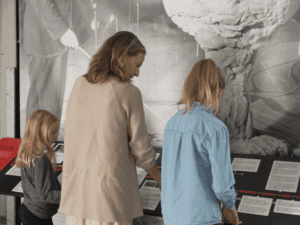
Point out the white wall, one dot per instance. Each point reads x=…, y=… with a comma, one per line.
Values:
x=7, y=65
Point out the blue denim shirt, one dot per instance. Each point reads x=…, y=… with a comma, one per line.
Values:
x=196, y=169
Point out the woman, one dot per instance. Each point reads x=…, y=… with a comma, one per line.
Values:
x=106, y=138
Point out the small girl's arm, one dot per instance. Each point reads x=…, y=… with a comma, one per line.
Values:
x=43, y=181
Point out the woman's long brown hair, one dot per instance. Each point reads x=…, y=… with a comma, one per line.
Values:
x=108, y=62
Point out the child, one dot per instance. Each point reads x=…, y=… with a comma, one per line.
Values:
x=40, y=185
x=196, y=167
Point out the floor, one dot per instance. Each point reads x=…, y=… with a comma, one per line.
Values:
x=145, y=220
x=148, y=220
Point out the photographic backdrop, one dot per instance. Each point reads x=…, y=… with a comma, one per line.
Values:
x=255, y=45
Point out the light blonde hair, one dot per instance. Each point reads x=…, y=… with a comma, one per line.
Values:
x=205, y=84
x=39, y=132
x=109, y=61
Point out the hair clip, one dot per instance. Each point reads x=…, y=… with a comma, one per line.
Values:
x=30, y=147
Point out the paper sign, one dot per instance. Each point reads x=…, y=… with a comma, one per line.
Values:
x=255, y=205
x=59, y=219
x=59, y=157
x=284, y=176
x=60, y=178
x=14, y=171
x=18, y=188
x=150, y=194
x=287, y=207
x=247, y=165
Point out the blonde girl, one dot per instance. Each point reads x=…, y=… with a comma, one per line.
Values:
x=196, y=168
x=36, y=159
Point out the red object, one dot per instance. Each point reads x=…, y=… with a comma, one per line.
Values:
x=250, y=192
x=9, y=148
x=288, y=196
x=264, y=193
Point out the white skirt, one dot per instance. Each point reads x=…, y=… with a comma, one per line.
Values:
x=71, y=220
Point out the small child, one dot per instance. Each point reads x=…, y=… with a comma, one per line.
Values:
x=40, y=185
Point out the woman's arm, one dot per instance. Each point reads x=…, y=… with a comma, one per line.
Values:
x=139, y=140
x=155, y=174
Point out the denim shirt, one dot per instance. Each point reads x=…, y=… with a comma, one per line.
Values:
x=196, y=172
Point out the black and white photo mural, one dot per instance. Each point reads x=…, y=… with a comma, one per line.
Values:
x=255, y=43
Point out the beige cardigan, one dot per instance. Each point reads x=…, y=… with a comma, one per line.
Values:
x=105, y=139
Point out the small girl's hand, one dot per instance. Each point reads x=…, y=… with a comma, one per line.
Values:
x=60, y=166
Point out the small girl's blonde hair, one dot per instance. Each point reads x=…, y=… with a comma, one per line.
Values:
x=205, y=84
x=37, y=137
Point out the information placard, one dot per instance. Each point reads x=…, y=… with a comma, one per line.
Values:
x=255, y=205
